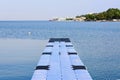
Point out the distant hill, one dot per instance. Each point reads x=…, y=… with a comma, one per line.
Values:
x=110, y=14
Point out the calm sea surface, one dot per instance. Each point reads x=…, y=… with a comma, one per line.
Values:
x=21, y=43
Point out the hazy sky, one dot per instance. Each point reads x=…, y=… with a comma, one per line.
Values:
x=48, y=9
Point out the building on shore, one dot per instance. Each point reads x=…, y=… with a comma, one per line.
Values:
x=58, y=19
x=116, y=20
x=80, y=19
x=69, y=19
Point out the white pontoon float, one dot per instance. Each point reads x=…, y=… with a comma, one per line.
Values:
x=60, y=61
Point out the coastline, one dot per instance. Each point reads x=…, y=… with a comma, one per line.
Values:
x=83, y=21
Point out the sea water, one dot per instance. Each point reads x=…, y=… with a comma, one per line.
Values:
x=21, y=44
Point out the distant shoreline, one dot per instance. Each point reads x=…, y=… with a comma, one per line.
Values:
x=111, y=15
x=83, y=21
x=61, y=20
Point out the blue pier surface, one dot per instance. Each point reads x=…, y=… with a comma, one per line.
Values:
x=59, y=61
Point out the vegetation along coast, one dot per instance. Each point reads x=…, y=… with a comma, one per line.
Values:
x=112, y=14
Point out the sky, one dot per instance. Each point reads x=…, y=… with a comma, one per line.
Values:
x=48, y=9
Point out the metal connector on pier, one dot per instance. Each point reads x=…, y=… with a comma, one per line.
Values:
x=60, y=61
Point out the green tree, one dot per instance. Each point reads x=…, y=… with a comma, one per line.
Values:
x=113, y=13
x=101, y=16
x=90, y=17
x=69, y=19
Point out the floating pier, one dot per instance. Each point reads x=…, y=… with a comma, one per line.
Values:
x=60, y=61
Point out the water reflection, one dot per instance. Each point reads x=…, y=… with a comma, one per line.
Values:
x=19, y=57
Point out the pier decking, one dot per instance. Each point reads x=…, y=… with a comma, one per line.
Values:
x=59, y=61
